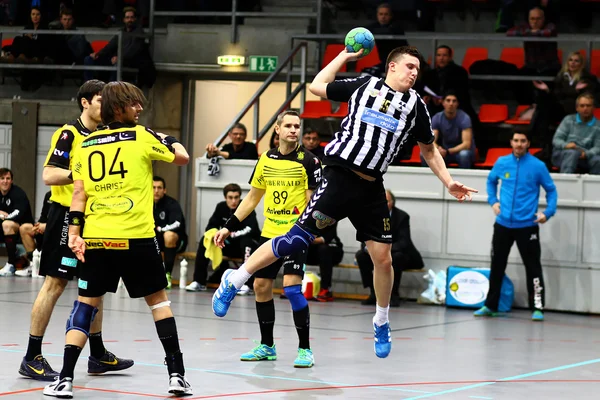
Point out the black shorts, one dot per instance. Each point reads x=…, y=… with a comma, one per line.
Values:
x=137, y=261
x=181, y=242
x=342, y=194
x=294, y=264
x=57, y=259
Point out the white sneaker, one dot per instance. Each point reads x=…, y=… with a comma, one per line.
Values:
x=195, y=287
x=61, y=388
x=245, y=291
x=178, y=385
x=8, y=270
x=26, y=272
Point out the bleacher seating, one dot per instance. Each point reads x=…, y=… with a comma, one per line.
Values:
x=369, y=60
x=514, y=120
x=492, y=155
x=98, y=45
x=493, y=113
x=316, y=109
x=331, y=52
x=415, y=156
x=513, y=55
x=474, y=54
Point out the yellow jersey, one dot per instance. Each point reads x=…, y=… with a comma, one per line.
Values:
x=63, y=147
x=115, y=165
x=285, y=178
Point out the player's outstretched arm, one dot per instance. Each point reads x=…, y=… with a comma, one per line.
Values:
x=54, y=176
x=435, y=161
x=318, y=87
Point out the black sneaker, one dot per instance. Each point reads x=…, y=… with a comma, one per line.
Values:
x=107, y=363
x=37, y=369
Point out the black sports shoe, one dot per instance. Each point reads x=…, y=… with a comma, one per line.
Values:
x=37, y=369
x=107, y=363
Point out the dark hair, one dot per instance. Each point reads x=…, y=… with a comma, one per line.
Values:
x=239, y=125
x=400, y=51
x=129, y=9
x=117, y=96
x=4, y=171
x=450, y=93
x=156, y=178
x=521, y=131
x=88, y=90
x=272, y=141
x=66, y=11
x=310, y=130
x=232, y=187
x=35, y=8
x=443, y=46
x=385, y=5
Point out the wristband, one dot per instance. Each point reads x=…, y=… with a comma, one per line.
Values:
x=232, y=223
x=170, y=140
x=70, y=175
x=76, y=218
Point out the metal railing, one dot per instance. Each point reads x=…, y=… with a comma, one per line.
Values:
x=447, y=38
x=91, y=32
x=317, y=14
x=254, y=101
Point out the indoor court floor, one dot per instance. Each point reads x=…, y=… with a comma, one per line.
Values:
x=438, y=353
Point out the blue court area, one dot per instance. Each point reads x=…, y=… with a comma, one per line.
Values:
x=438, y=353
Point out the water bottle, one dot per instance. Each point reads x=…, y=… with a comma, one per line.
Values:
x=183, y=273
x=35, y=263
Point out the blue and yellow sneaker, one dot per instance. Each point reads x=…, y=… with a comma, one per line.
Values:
x=107, y=363
x=262, y=352
x=537, y=316
x=224, y=295
x=38, y=369
x=383, y=340
x=305, y=359
x=485, y=312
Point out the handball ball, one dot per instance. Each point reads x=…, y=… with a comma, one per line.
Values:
x=359, y=38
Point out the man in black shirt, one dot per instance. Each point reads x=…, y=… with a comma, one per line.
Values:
x=14, y=211
x=238, y=149
x=169, y=225
x=32, y=235
x=386, y=25
x=312, y=142
x=383, y=115
x=240, y=244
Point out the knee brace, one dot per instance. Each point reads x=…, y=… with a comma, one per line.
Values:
x=295, y=296
x=81, y=317
x=297, y=239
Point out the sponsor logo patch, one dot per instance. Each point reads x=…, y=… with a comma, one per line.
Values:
x=82, y=284
x=69, y=262
x=112, y=244
x=323, y=221
x=380, y=119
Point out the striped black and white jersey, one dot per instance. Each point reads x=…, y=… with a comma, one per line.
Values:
x=379, y=122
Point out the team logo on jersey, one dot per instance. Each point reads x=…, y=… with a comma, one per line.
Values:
x=161, y=215
x=8, y=202
x=506, y=175
x=126, y=135
x=112, y=205
x=296, y=211
x=64, y=136
x=112, y=244
x=301, y=155
x=323, y=221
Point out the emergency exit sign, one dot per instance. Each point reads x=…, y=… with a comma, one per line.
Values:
x=262, y=63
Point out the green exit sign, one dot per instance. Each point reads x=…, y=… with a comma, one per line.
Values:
x=262, y=63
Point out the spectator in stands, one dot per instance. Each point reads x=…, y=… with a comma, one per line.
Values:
x=28, y=48
x=169, y=225
x=32, y=235
x=135, y=52
x=518, y=219
x=274, y=142
x=453, y=134
x=238, y=149
x=240, y=243
x=312, y=142
x=508, y=8
x=326, y=251
x=446, y=76
x=69, y=49
x=404, y=253
x=15, y=211
x=576, y=142
x=386, y=25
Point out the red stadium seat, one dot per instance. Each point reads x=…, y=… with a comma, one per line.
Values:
x=331, y=52
x=493, y=113
x=7, y=42
x=316, y=109
x=415, y=156
x=492, y=156
x=342, y=112
x=514, y=120
x=594, y=63
x=369, y=60
x=597, y=113
x=474, y=54
x=98, y=45
x=513, y=55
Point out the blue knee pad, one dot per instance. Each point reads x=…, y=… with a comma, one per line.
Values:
x=295, y=296
x=81, y=317
x=296, y=240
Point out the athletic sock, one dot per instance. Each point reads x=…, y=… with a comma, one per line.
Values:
x=266, y=320
x=34, y=347
x=11, y=248
x=381, y=315
x=167, y=333
x=72, y=353
x=97, y=349
x=170, y=254
x=302, y=322
x=239, y=277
